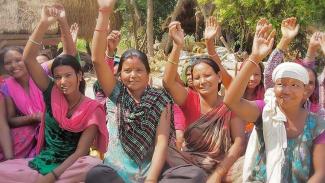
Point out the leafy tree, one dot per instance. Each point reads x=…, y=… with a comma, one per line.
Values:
x=238, y=18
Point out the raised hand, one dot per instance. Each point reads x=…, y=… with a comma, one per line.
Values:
x=113, y=39
x=322, y=42
x=263, y=42
x=61, y=15
x=289, y=28
x=315, y=41
x=106, y=4
x=74, y=29
x=212, y=28
x=49, y=15
x=176, y=33
x=261, y=23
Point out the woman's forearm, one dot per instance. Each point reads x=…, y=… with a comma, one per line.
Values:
x=225, y=76
x=158, y=162
x=19, y=121
x=274, y=60
x=69, y=46
x=235, y=151
x=104, y=74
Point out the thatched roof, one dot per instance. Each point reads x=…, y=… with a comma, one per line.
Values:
x=21, y=16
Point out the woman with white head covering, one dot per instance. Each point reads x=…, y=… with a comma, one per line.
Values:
x=281, y=147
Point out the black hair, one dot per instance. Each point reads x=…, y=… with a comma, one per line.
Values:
x=134, y=53
x=5, y=50
x=202, y=59
x=71, y=61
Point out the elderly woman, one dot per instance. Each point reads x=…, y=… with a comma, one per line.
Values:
x=281, y=148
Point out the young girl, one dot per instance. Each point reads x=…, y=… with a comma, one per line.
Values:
x=73, y=122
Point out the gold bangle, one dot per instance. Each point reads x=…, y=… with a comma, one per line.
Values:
x=172, y=62
x=216, y=54
x=256, y=64
x=34, y=42
x=106, y=54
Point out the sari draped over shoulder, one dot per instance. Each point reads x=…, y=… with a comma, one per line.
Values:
x=27, y=103
x=207, y=140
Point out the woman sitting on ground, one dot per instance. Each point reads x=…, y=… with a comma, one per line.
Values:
x=214, y=136
x=139, y=117
x=283, y=149
x=73, y=122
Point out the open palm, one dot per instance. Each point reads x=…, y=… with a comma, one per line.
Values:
x=263, y=42
x=212, y=28
x=176, y=33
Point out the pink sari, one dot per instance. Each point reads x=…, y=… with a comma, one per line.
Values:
x=81, y=119
x=24, y=138
x=89, y=112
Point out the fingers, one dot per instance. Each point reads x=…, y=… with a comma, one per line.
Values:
x=172, y=24
x=175, y=27
x=114, y=35
x=262, y=21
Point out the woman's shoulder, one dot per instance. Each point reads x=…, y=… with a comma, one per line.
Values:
x=316, y=123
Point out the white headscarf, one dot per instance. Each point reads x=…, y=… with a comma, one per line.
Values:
x=274, y=131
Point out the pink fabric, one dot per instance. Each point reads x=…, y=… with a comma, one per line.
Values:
x=27, y=103
x=24, y=138
x=179, y=118
x=314, y=108
x=260, y=104
x=18, y=171
x=89, y=112
x=191, y=108
x=320, y=139
x=110, y=62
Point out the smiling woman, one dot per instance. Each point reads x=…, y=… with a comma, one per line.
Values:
x=24, y=103
x=68, y=114
x=213, y=136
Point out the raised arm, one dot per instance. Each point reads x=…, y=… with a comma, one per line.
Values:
x=69, y=46
x=313, y=46
x=322, y=76
x=161, y=146
x=48, y=17
x=177, y=90
x=104, y=73
x=74, y=30
x=289, y=29
x=212, y=29
x=67, y=35
x=262, y=45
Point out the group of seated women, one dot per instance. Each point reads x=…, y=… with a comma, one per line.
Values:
x=268, y=127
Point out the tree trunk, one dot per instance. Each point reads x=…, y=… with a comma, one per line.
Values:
x=135, y=21
x=175, y=13
x=150, y=28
